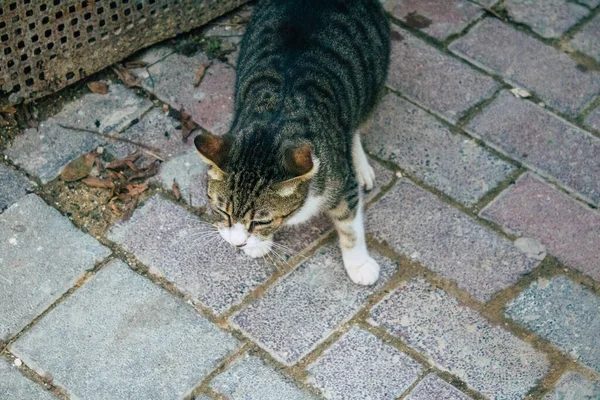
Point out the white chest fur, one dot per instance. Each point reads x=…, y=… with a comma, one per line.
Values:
x=311, y=207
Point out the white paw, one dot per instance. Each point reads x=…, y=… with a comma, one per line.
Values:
x=257, y=250
x=365, y=175
x=363, y=273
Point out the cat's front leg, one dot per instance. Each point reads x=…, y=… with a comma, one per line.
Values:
x=348, y=219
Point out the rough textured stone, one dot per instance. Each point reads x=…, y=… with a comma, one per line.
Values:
x=586, y=40
x=249, y=378
x=425, y=148
x=569, y=230
x=564, y=313
x=14, y=186
x=306, y=305
x=590, y=3
x=41, y=256
x=438, y=19
x=548, y=18
x=433, y=79
x=434, y=388
x=593, y=120
x=152, y=55
x=340, y=373
x=46, y=150
x=459, y=340
x=210, y=104
x=416, y=223
x=190, y=173
x=543, y=142
x=15, y=386
x=122, y=337
x=190, y=253
x=573, y=386
x=528, y=63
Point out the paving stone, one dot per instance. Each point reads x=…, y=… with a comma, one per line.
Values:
x=14, y=186
x=488, y=3
x=416, y=223
x=434, y=80
x=573, y=386
x=340, y=373
x=249, y=378
x=190, y=173
x=120, y=336
x=543, y=142
x=586, y=40
x=593, y=119
x=13, y=385
x=210, y=104
x=306, y=305
x=434, y=388
x=528, y=63
x=425, y=148
x=152, y=55
x=590, y=3
x=569, y=230
x=547, y=18
x=564, y=313
x=42, y=255
x=46, y=150
x=457, y=339
x=190, y=253
x=437, y=19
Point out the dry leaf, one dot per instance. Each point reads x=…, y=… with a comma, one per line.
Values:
x=176, y=190
x=114, y=207
x=136, y=188
x=146, y=172
x=200, y=73
x=31, y=120
x=187, y=125
x=135, y=64
x=130, y=207
x=98, y=87
x=2, y=81
x=129, y=80
x=99, y=183
x=78, y=168
x=6, y=109
x=126, y=162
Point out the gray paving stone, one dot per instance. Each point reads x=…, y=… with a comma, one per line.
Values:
x=122, y=337
x=459, y=340
x=586, y=40
x=210, y=104
x=250, y=378
x=573, y=386
x=488, y=3
x=152, y=55
x=42, y=255
x=590, y=3
x=543, y=142
x=362, y=366
x=14, y=186
x=425, y=148
x=434, y=80
x=528, y=63
x=416, y=223
x=46, y=150
x=434, y=388
x=15, y=386
x=548, y=18
x=593, y=119
x=306, y=306
x=190, y=173
x=438, y=19
x=569, y=230
x=564, y=313
x=190, y=253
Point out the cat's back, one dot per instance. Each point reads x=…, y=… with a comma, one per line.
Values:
x=336, y=50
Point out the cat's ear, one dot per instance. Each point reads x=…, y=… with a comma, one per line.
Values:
x=300, y=162
x=214, y=151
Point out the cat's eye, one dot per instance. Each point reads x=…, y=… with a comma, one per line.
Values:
x=254, y=224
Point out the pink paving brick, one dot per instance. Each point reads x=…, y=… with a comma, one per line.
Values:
x=593, y=120
x=526, y=62
x=435, y=80
x=210, y=104
x=569, y=230
x=542, y=141
x=587, y=39
x=548, y=18
x=438, y=19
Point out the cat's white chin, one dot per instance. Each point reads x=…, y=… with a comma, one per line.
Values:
x=257, y=250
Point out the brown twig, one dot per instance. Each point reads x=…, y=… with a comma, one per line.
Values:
x=104, y=135
x=494, y=13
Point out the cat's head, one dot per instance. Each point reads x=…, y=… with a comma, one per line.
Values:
x=251, y=191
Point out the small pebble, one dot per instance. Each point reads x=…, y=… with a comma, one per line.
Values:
x=165, y=108
x=399, y=174
x=100, y=150
x=18, y=362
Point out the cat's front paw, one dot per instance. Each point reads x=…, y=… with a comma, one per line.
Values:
x=257, y=250
x=365, y=272
x=365, y=175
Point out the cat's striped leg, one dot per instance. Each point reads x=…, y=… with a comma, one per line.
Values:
x=365, y=175
x=348, y=219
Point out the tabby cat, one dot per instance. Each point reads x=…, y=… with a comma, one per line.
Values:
x=309, y=73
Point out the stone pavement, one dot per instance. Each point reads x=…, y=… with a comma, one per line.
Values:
x=485, y=221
